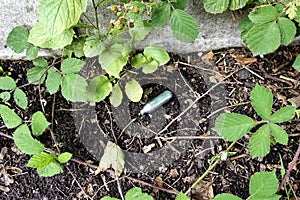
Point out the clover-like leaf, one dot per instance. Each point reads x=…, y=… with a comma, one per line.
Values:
x=279, y=134
x=284, y=114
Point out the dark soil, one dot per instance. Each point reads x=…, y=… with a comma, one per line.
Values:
x=171, y=164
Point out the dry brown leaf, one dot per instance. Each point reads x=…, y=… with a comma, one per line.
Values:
x=282, y=98
x=208, y=57
x=174, y=173
x=203, y=190
x=245, y=61
x=159, y=180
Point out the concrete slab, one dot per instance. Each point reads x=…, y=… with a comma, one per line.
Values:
x=216, y=31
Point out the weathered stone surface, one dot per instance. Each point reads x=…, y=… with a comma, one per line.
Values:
x=216, y=31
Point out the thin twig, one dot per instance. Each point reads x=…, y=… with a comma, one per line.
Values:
x=6, y=136
x=96, y=13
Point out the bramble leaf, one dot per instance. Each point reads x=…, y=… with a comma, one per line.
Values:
x=287, y=30
x=9, y=117
x=161, y=15
x=259, y=144
x=182, y=196
x=233, y=126
x=20, y=98
x=50, y=170
x=40, y=62
x=237, y=4
x=215, y=6
x=133, y=90
x=180, y=4
x=296, y=63
x=279, y=134
x=99, y=88
x=93, y=47
x=116, y=96
x=53, y=81
x=7, y=83
x=109, y=198
x=17, y=39
x=64, y=157
x=71, y=65
x=261, y=100
x=39, y=123
x=227, y=197
x=32, y=52
x=36, y=75
x=73, y=88
x=284, y=114
x=136, y=193
x=39, y=160
x=184, y=27
x=25, y=142
x=264, y=14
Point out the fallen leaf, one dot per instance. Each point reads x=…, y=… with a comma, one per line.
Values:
x=282, y=98
x=208, y=57
x=159, y=180
x=174, y=173
x=203, y=190
x=245, y=61
x=113, y=157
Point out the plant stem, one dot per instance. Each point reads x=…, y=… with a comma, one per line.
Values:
x=89, y=20
x=208, y=170
x=96, y=14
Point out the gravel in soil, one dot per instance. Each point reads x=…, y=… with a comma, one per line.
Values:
x=233, y=175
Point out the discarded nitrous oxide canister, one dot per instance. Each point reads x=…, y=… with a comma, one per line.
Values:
x=156, y=102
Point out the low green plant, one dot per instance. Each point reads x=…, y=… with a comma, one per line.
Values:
x=133, y=194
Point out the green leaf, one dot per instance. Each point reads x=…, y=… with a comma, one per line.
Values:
x=245, y=26
x=25, y=142
x=75, y=47
x=284, y=114
x=182, y=196
x=233, y=126
x=259, y=144
x=17, y=39
x=180, y=4
x=5, y=96
x=99, y=88
x=273, y=197
x=133, y=90
x=50, y=170
x=296, y=63
x=36, y=75
x=161, y=15
x=137, y=194
x=32, y=52
x=184, y=27
x=237, y=4
x=53, y=81
x=279, y=134
x=40, y=160
x=138, y=60
x=150, y=67
x=40, y=62
x=93, y=47
x=113, y=156
x=157, y=53
x=39, y=123
x=264, y=14
x=227, y=197
x=287, y=30
x=7, y=83
x=263, y=38
x=116, y=96
x=71, y=65
x=114, y=59
x=20, y=98
x=215, y=6
x=64, y=157
x=9, y=117
x=140, y=30
x=74, y=88
x=261, y=100
x=109, y=198
x=263, y=184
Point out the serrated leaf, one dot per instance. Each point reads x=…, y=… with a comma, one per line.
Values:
x=5, y=96
x=150, y=67
x=287, y=30
x=237, y=4
x=180, y=4
x=113, y=156
x=20, y=98
x=109, y=198
x=284, y=114
x=113, y=59
x=273, y=197
x=9, y=117
x=36, y=75
x=53, y=81
x=296, y=63
x=39, y=123
x=93, y=47
x=215, y=6
x=73, y=88
x=64, y=157
x=279, y=134
x=259, y=144
x=137, y=194
x=264, y=14
x=184, y=27
x=40, y=62
x=263, y=184
x=261, y=100
x=25, y=142
x=7, y=83
x=233, y=126
x=40, y=160
x=50, y=170
x=182, y=196
x=116, y=96
x=245, y=25
x=32, y=52
x=99, y=88
x=133, y=90
x=161, y=15
x=157, y=53
x=17, y=39
x=263, y=38
x=226, y=196
x=71, y=65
